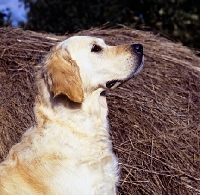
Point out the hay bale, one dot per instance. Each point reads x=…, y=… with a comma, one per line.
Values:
x=154, y=118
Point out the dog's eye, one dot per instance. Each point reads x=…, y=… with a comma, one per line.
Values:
x=96, y=48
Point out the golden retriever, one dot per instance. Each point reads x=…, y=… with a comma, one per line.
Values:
x=68, y=150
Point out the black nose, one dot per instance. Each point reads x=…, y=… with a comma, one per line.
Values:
x=137, y=48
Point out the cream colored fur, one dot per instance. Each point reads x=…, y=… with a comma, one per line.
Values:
x=68, y=150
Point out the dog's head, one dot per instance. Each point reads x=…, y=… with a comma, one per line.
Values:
x=82, y=64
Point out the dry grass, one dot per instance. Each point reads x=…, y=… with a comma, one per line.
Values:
x=154, y=118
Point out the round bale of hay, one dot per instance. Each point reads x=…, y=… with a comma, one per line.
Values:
x=154, y=117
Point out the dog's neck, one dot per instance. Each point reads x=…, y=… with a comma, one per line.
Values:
x=61, y=109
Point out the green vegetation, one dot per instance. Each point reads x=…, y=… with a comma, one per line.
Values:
x=178, y=19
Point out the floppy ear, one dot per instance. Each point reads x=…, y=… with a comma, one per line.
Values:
x=63, y=75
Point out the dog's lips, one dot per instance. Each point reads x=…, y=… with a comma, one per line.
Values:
x=139, y=66
x=111, y=84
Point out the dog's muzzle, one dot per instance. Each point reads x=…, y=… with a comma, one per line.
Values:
x=138, y=49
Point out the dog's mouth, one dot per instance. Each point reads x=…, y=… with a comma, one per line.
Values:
x=139, y=66
x=112, y=84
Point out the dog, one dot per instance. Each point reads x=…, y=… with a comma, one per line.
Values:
x=68, y=150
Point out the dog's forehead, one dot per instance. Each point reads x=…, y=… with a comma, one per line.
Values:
x=83, y=40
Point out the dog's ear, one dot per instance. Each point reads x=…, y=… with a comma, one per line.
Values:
x=63, y=75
